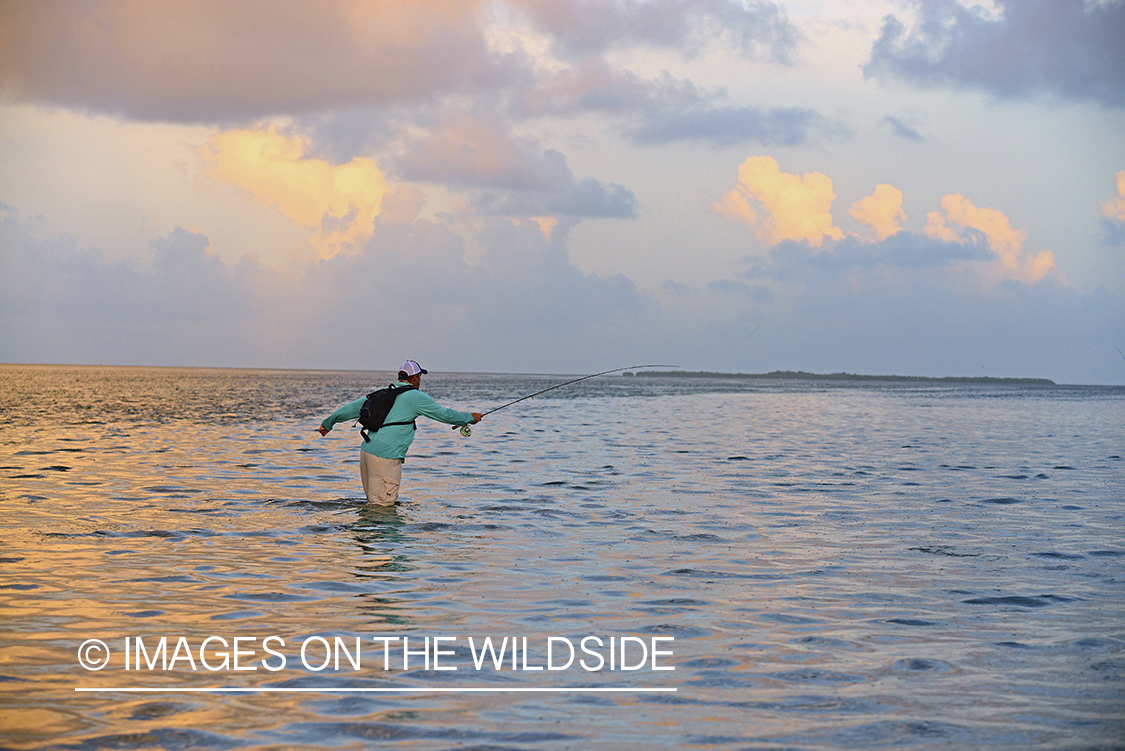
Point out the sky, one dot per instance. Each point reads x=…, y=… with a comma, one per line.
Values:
x=911, y=187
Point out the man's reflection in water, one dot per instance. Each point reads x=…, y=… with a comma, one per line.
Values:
x=381, y=534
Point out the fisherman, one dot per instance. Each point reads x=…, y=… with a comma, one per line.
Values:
x=383, y=451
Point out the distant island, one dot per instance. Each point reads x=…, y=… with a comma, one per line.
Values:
x=800, y=375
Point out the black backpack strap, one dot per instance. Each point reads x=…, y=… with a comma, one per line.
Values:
x=363, y=431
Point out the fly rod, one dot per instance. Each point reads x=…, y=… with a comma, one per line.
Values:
x=467, y=431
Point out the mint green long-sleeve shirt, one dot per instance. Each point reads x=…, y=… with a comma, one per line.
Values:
x=393, y=441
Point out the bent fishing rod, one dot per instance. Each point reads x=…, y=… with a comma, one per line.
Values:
x=467, y=431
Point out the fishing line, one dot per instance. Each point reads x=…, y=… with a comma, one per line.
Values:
x=467, y=431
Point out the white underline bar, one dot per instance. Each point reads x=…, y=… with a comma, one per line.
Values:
x=444, y=689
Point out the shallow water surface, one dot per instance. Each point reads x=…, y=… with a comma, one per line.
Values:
x=824, y=565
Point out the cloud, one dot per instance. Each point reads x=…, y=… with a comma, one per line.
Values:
x=667, y=109
x=583, y=27
x=881, y=211
x=1069, y=48
x=212, y=61
x=794, y=216
x=856, y=309
x=1114, y=209
x=959, y=219
x=480, y=152
x=185, y=306
x=1113, y=215
x=506, y=174
x=61, y=303
x=903, y=130
x=795, y=208
x=340, y=201
x=728, y=126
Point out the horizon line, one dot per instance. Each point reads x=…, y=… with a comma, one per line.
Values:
x=546, y=373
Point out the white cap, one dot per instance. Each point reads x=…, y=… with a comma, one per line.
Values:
x=412, y=368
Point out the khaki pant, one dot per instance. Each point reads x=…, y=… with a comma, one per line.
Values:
x=380, y=478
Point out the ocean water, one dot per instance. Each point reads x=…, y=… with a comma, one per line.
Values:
x=736, y=564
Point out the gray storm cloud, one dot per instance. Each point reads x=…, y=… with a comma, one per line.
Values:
x=1069, y=48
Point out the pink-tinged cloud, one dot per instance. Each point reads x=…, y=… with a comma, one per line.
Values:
x=881, y=211
x=793, y=207
x=340, y=202
x=958, y=219
x=482, y=152
x=217, y=61
x=1114, y=209
x=212, y=60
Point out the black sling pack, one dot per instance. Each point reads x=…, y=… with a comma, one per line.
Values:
x=376, y=407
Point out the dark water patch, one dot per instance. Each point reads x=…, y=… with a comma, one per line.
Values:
x=237, y=615
x=173, y=739
x=905, y=733
x=946, y=550
x=1061, y=556
x=818, y=677
x=11, y=559
x=432, y=526
x=910, y=622
x=1096, y=644
x=683, y=602
x=815, y=704
x=170, y=489
x=156, y=709
x=693, y=573
x=724, y=741
x=50, y=451
x=920, y=664
x=55, y=468
x=823, y=641
x=1062, y=466
x=267, y=597
x=326, y=732
x=790, y=620
x=144, y=614
x=673, y=629
x=1020, y=601
x=1013, y=477
x=1072, y=507
x=700, y=537
x=707, y=663
x=738, y=458
x=19, y=587
x=1013, y=645
x=1007, y=500
x=1107, y=553
x=166, y=579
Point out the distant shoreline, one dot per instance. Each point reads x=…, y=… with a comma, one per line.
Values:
x=800, y=375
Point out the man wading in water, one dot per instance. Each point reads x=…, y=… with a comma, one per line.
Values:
x=384, y=449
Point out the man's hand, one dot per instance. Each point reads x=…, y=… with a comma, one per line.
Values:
x=323, y=430
x=476, y=417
